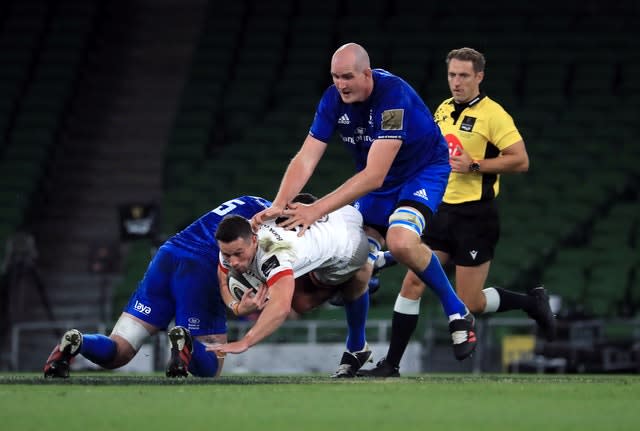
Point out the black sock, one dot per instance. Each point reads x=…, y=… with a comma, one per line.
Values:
x=402, y=327
x=513, y=301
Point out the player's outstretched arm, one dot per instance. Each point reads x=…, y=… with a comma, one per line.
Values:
x=379, y=160
x=275, y=312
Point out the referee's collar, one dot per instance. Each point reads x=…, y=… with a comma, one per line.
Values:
x=475, y=100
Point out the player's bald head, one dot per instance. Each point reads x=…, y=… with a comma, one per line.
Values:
x=351, y=54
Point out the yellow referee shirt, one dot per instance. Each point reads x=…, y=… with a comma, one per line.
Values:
x=483, y=128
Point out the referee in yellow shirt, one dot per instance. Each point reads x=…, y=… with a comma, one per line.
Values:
x=483, y=143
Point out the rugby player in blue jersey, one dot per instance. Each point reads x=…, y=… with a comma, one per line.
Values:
x=402, y=164
x=181, y=282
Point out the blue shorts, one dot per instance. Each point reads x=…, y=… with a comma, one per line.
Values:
x=181, y=285
x=426, y=189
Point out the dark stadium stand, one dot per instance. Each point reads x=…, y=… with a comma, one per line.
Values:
x=568, y=74
x=559, y=73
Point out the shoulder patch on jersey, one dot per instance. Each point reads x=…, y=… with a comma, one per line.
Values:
x=392, y=119
x=269, y=264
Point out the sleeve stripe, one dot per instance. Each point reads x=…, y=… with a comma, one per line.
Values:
x=222, y=268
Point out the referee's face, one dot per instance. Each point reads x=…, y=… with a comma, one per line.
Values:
x=464, y=82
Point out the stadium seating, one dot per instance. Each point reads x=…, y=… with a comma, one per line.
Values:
x=41, y=46
x=560, y=73
x=567, y=74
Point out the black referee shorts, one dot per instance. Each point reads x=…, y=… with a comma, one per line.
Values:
x=468, y=232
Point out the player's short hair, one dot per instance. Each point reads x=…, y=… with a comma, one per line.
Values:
x=304, y=198
x=233, y=227
x=468, y=54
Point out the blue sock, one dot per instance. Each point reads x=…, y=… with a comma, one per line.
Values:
x=356, y=321
x=434, y=276
x=98, y=348
x=203, y=363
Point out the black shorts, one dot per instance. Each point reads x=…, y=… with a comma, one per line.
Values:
x=468, y=232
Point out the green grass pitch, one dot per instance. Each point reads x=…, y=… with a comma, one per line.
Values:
x=109, y=401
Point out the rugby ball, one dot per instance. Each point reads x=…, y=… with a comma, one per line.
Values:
x=238, y=284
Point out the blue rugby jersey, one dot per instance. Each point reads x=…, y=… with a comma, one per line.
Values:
x=199, y=236
x=393, y=111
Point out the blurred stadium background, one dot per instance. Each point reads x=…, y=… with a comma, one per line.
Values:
x=122, y=121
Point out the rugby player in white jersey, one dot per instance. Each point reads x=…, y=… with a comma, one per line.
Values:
x=332, y=254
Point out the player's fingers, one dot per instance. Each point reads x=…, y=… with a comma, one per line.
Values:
x=255, y=224
x=288, y=223
x=303, y=229
x=246, y=296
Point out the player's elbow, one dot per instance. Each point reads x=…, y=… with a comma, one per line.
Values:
x=523, y=166
x=379, y=181
x=374, y=180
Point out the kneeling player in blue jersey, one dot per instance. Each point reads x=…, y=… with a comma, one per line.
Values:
x=181, y=282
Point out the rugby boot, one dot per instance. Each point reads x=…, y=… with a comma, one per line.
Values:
x=57, y=365
x=351, y=362
x=181, y=349
x=463, y=336
x=541, y=312
x=382, y=369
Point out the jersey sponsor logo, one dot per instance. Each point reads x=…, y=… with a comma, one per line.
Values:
x=344, y=119
x=193, y=323
x=455, y=146
x=356, y=139
x=422, y=193
x=473, y=254
x=270, y=264
x=140, y=307
x=467, y=123
x=392, y=119
x=273, y=232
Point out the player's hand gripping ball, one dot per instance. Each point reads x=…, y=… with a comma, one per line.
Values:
x=238, y=285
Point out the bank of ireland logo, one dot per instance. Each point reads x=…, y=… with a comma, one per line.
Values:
x=193, y=323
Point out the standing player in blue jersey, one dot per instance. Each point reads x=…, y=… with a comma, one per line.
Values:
x=181, y=282
x=402, y=163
